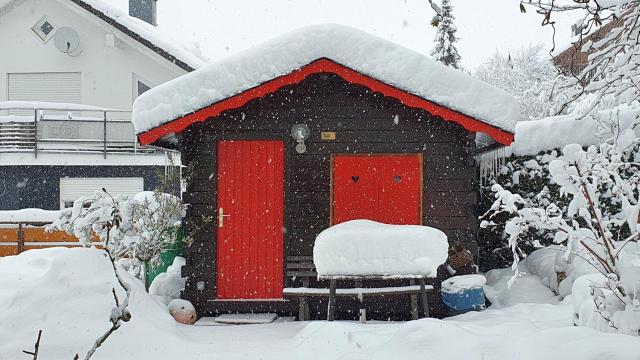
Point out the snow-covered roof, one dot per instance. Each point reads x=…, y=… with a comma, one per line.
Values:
x=532, y=137
x=146, y=34
x=593, y=33
x=369, y=55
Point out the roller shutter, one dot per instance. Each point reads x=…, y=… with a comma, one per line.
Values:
x=63, y=87
x=73, y=188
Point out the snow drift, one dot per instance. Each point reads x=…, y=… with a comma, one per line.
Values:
x=67, y=293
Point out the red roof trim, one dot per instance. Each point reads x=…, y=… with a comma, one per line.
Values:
x=325, y=66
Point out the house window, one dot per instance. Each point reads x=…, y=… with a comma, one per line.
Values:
x=43, y=29
x=140, y=86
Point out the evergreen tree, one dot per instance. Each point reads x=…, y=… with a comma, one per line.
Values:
x=445, y=50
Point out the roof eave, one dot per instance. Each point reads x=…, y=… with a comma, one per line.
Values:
x=325, y=65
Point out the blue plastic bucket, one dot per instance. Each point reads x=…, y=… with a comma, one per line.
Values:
x=465, y=300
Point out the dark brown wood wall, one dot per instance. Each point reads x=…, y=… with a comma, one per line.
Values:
x=364, y=123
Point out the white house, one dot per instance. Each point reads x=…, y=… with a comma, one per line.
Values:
x=66, y=90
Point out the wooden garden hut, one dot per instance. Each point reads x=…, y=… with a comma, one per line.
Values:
x=320, y=126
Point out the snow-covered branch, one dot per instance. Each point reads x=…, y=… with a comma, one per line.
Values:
x=146, y=224
x=528, y=76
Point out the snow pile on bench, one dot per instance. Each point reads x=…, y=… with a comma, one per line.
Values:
x=368, y=248
x=380, y=59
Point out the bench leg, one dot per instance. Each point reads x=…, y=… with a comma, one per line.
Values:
x=414, y=303
x=307, y=315
x=423, y=292
x=332, y=300
x=302, y=308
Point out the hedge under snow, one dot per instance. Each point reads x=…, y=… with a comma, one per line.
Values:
x=368, y=54
x=365, y=247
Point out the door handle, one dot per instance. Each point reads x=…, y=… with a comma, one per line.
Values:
x=221, y=216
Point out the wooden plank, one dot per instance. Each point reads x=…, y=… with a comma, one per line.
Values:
x=302, y=274
x=300, y=258
x=356, y=292
x=309, y=211
x=451, y=222
x=300, y=266
x=310, y=197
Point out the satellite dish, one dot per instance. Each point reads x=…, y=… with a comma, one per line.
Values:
x=67, y=41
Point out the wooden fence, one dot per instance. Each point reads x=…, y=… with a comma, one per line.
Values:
x=18, y=237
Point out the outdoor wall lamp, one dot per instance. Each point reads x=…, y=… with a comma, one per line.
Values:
x=299, y=133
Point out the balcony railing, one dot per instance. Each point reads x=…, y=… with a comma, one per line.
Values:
x=68, y=129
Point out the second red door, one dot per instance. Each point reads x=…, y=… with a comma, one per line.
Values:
x=383, y=188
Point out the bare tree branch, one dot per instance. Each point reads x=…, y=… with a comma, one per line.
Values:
x=36, y=347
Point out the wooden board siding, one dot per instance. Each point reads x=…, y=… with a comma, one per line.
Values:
x=364, y=123
x=33, y=237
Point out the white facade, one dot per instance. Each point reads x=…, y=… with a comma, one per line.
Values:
x=109, y=62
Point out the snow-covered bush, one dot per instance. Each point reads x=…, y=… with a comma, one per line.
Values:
x=530, y=77
x=597, y=231
x=140, y=228
x=529, y=177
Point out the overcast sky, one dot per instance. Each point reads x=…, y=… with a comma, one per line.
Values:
x=222, y=27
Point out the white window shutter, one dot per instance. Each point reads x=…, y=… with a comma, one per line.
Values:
x=72, y=189
x=63, y=87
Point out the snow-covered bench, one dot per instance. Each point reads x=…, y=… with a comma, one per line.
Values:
x=362, y=250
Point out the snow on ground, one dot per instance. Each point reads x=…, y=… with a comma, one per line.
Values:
x=358, y=50
x=66, y=292
x=365, y=247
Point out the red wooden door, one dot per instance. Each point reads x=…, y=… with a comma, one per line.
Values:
x=384, y=188
x=249, y=247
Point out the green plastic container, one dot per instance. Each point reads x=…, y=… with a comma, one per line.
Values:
x=167, y=255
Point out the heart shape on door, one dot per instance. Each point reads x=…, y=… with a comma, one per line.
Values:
x=355, y=178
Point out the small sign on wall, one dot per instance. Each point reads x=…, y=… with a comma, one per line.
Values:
x=328, y=135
